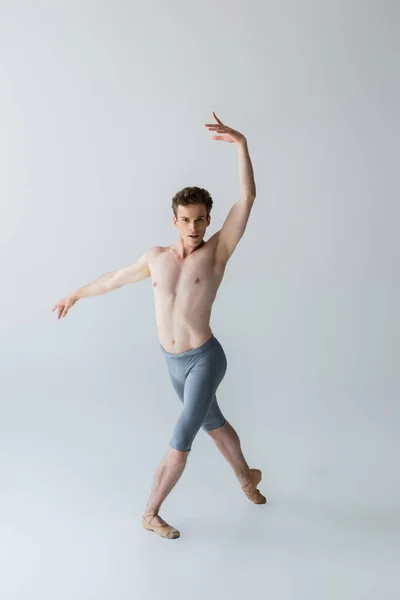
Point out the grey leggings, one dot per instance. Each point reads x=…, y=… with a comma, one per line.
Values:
x=196, y=375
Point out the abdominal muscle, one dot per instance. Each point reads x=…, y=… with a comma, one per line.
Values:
x=181, y=329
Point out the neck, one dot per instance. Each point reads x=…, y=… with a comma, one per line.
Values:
x=185, y=251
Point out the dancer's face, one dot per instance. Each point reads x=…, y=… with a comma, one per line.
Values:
x=192, y=221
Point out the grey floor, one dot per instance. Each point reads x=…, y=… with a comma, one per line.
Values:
x=74, y=486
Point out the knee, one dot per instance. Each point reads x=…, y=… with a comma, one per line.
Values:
x=177, y=456
x=182, y=438
x=216, y=432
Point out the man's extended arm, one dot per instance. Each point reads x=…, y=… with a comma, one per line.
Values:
x=115, y=279
x=106, y=283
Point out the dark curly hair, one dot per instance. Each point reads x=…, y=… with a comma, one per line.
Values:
x=192, y=195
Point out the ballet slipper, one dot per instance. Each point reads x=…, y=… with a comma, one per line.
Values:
x=166, y=530
x=251, y=490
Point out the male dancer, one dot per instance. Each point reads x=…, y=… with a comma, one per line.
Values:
x=186, y=277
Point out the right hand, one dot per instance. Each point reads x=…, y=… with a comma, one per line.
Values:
x=64, y=305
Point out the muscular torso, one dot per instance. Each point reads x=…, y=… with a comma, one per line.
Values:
x=184, y=292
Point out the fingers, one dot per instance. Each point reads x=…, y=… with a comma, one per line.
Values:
x=58, y=306
x=216, y=118
x=66, y=308
x=218, y=128
x=62, y=309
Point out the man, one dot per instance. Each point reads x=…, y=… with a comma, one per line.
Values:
x=186, y=277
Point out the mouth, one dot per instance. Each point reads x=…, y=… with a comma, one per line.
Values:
x=194, y=236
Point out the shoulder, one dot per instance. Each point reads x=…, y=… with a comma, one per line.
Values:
x=156, y=251
x=153, y=253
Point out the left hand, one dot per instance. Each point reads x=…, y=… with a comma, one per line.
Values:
x=227, y=134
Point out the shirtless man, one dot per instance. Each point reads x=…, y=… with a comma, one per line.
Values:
x=186, y=277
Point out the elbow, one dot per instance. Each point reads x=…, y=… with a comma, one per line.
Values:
x=248, y=199
x=111, y=282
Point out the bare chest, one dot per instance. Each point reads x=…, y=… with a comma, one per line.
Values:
x=195, y=276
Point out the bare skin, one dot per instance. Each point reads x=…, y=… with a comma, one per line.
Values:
x=186, y=277
x=184, y=290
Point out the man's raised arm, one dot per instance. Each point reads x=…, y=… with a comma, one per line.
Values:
x=236, y=220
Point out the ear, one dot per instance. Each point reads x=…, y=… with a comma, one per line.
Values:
x=208, y=220
x=174, y=221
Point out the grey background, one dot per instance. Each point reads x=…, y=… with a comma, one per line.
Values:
x=102, y=115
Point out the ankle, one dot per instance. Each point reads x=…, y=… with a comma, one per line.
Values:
x=245, y=478
x=150, y=513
